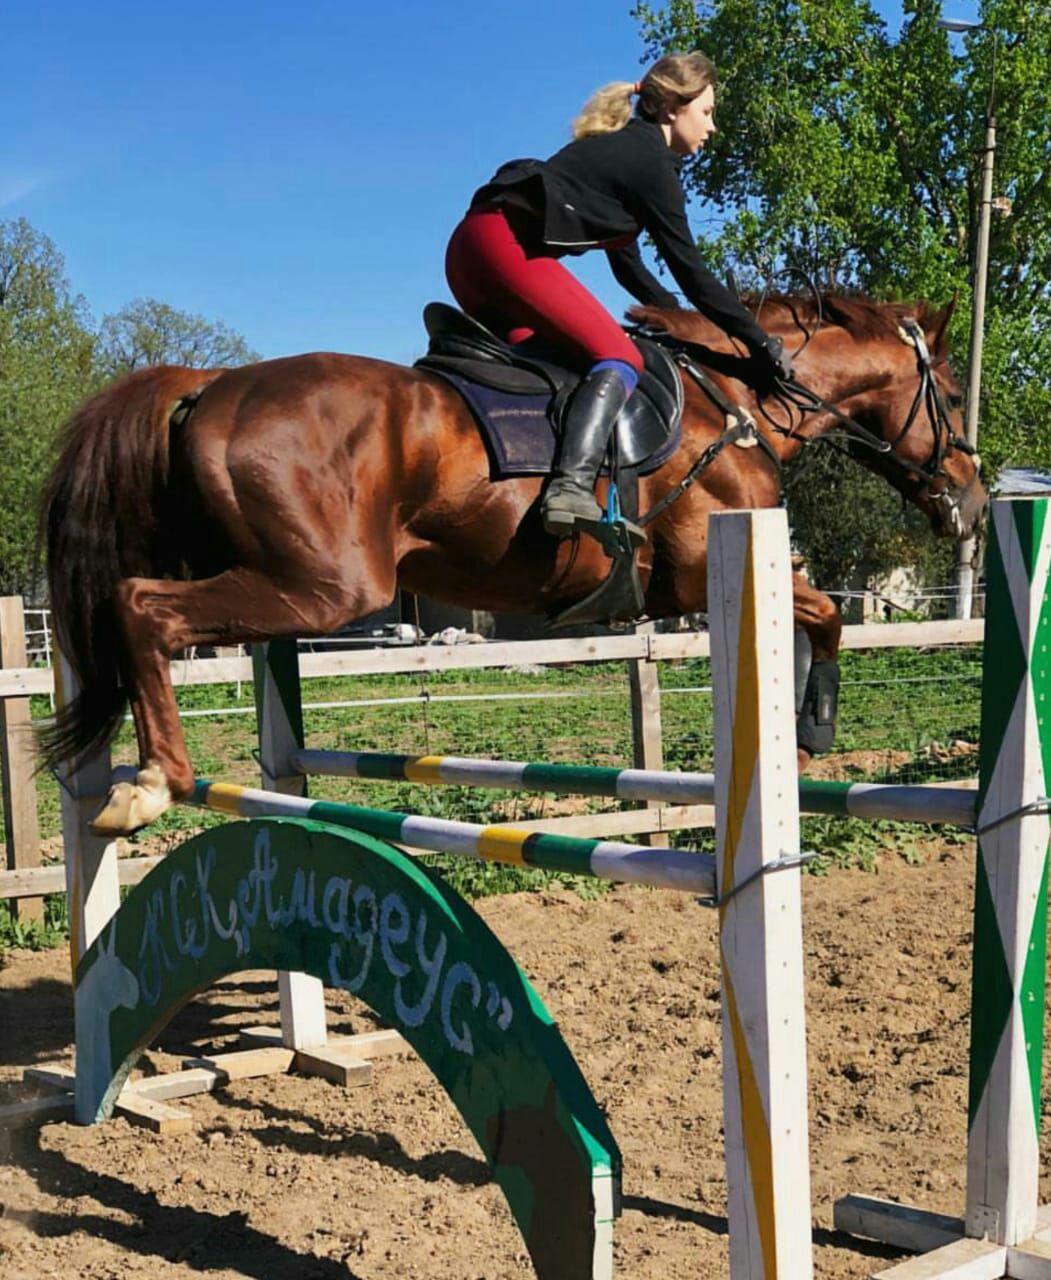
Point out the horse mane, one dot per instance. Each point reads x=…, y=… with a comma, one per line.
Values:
x=860, y=316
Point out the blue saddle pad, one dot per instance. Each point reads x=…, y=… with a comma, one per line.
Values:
x=519, y=432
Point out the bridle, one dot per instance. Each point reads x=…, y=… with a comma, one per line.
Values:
x=792, y=394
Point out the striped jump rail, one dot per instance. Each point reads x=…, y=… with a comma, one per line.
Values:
x=601, y=859
x=869, y=800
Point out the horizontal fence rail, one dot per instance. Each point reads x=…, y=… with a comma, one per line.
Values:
x=27, y=681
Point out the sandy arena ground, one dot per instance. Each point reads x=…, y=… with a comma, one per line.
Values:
x=289, y=1178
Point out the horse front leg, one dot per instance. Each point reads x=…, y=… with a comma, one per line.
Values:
x=817, y=680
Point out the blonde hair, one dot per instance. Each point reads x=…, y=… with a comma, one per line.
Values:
x=670, y=83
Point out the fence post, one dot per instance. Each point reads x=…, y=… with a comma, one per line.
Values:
x=760, y=915
x=646, y=733
x=21, y=830
x=279, y=719
x=92, y=884
x=1010, y=920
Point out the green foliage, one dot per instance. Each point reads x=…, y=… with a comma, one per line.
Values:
x=857, y=157
x=148, y=332
x=52, y=931
x=46, y=367
x=52, y=359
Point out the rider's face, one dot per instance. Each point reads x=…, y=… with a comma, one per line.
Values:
x=688, y=128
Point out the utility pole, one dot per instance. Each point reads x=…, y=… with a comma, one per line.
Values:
x=966, y=550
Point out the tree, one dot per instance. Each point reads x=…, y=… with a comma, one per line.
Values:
x=857, y=157
x=149, y=332
x=46, y=368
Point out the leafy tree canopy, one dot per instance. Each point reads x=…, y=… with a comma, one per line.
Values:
x=857, y=157
x=147, y=332
x=46, y=367
x=52, y=358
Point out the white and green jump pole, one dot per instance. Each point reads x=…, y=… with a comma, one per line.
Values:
x=868, y=800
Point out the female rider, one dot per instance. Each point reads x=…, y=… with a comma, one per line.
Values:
x=617, y=178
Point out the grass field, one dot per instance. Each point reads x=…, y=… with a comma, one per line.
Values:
x=905, y=715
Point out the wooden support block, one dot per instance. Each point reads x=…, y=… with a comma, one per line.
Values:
x=375, y=1044
x=152, y=1114
x=336, y=1062
x=61, y=1078
x=246, y=1064
x=175, y=1084
x=20, y=1115
x=895, y=1224
x=1029, y=1261
x=962, y=1260
x=367, y=1045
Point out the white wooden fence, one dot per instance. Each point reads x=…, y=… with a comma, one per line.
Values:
x=24, y=879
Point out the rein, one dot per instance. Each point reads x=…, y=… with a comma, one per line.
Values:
x=742, y=430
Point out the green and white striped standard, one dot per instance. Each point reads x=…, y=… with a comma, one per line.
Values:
x=604, y=859
x=954, y=805
x=1010, y=923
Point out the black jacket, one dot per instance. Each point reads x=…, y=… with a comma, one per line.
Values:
x=601, y=192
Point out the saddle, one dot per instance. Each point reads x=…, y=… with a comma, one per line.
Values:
x=519, y=393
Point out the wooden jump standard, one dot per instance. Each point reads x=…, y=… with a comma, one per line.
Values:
x=1001, y=1234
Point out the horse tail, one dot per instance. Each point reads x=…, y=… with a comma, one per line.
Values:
x=99, y=524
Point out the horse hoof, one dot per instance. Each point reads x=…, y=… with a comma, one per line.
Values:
x=803, y=759
x=132, y=805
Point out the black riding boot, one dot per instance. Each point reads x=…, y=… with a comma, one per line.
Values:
x=570, y=497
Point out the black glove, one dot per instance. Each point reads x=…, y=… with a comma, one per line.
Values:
x=774, y=359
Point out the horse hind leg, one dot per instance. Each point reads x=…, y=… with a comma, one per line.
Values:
x=158, y=618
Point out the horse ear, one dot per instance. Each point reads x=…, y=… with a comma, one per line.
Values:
x=937, y=327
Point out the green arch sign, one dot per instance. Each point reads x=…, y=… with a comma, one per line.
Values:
x=300, y=895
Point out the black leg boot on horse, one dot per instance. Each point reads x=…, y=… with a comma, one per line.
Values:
x=569, y=504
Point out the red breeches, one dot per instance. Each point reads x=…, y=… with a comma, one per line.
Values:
x=516, y=292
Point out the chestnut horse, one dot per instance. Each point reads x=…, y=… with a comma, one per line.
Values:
x=301, y=493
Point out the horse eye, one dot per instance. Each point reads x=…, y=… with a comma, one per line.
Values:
x=955, y=400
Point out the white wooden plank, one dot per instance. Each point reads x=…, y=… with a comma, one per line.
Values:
x=20, y=1115
x=1029, y=1261
x=151, y=1114
x=761, y=940
x=244, y=1064
x=962, y=1260
x=904, y=1227
x=367, y=1044
x=52, y=879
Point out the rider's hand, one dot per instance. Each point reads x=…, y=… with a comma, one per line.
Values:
x=776, y=361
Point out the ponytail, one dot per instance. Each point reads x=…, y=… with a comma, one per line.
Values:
x=606, y=111
x=670, y=83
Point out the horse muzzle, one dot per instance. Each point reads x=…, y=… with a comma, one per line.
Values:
x=956, y=512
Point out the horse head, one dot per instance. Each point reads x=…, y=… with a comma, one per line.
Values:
x=913, y=405
x=882, y=366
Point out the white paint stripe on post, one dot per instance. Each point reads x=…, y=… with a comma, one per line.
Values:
x=761, y=942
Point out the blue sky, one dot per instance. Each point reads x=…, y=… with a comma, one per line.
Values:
x=294, y=170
